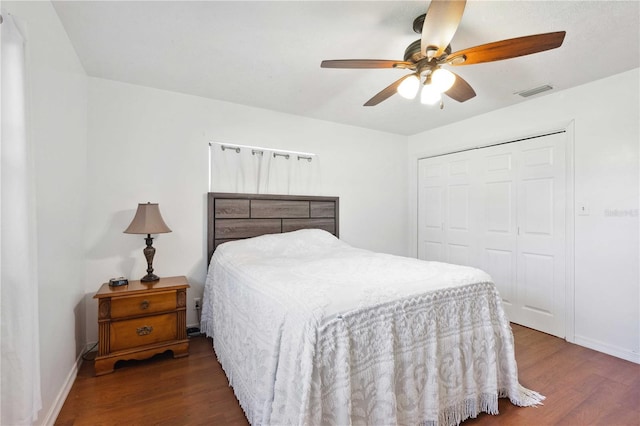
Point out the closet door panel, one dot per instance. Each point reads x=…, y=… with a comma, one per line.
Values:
x=497, y=220
x=458, y=201
x=498, y=204
x=431, y=202
x=500, y=264
x=541, y=239
x=537, y=206
x=459, y=226
x=537, y=283
x=445, y=206
x=432, y=250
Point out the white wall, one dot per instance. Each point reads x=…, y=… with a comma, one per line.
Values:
x=152, y=145
x=605, y=118
x=58, y=124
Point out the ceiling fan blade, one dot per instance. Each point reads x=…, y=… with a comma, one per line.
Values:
x=366, y=63
x=506, y=49
x=461, y=90
x=387, y=92
x=440, y=24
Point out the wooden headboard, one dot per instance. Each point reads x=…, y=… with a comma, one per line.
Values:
x=234, y=216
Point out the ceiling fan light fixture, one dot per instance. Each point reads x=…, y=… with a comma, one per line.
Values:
x=443, y=79
x=425, y=56
x=430, y=95
x=409, y=87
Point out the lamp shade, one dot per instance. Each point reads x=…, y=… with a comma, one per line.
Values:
x=429, y=95
x=443, y=79
x=409, y=87
x=147, y=221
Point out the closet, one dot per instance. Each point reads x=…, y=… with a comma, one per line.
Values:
x=502, y=209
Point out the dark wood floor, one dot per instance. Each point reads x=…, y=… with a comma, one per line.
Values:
x=583, y=387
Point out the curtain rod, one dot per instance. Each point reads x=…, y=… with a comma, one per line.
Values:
x=255, y=150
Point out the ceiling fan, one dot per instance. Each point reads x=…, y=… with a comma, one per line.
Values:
x=426, y=56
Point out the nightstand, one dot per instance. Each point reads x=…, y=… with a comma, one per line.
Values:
x=139, y=320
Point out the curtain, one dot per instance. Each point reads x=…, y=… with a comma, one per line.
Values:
x=236, y=170
x=226, y=171
x=20, y=361
x=305, y=175
x=252, y=170
x=279, y=173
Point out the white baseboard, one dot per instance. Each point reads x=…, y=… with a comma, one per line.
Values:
x=56, y=407
x=608, y=349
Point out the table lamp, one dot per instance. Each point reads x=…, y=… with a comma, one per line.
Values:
x=148, y=221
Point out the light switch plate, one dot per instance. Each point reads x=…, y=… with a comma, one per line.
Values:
x=583, y=210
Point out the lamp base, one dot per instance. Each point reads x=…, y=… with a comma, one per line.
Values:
x=150, y=278
x=149, y=252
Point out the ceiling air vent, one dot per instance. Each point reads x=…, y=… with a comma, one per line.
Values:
x=535, y=91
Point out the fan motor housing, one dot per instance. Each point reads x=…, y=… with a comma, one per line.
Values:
x=412, y=52
x=418, y=23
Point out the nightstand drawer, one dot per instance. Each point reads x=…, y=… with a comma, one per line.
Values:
x=122, y=307
x=143, y=331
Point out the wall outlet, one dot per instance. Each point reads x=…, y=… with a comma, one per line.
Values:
x=197, y=303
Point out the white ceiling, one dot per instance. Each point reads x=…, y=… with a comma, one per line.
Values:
x=267, y=54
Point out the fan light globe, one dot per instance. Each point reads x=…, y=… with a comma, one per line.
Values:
x=409, y=87
x=443, y=79
x=430, y=95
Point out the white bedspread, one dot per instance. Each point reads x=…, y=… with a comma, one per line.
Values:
x=312, y=331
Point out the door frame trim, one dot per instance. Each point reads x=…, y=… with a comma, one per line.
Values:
x=570, y=294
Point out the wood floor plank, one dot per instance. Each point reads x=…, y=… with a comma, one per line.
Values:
x=583, y=387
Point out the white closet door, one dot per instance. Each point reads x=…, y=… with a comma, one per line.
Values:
x=541, y=238
x=446, y=205
x=432, y=174
x=497, y=220
x=502, y=209
x=459, y=227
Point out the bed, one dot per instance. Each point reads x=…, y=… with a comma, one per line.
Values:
x=310, y=330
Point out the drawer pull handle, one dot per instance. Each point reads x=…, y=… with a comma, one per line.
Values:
x=144, y=305
x=143, y=331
